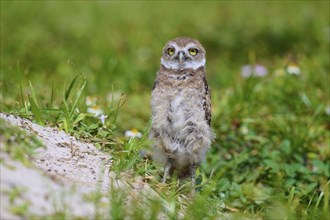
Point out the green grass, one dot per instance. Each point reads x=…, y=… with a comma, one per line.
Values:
x=17, y=143
x=271, y=155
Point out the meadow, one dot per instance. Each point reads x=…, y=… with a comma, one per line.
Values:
x=62, y=62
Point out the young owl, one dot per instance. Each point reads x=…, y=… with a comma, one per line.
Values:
x=181, y=109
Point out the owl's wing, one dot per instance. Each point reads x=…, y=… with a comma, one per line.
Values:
x=207, y=102
x=155, y=83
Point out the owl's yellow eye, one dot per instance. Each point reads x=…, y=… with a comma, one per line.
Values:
x=170, y=51
x=193, y=51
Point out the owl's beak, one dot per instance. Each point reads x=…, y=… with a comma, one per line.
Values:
x=181, y=57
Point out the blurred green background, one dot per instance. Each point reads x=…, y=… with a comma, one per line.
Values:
x=119, y=44
x=271, y=130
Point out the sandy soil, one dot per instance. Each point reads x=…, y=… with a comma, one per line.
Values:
x=63, y=173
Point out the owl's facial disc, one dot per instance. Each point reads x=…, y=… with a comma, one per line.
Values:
x=184, y=57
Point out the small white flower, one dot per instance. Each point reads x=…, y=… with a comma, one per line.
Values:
x=293, y=70
x=102, y=118
x=254, y=71
x=222, y=195
x=91, y=100
x=95, y=110
x=222, y=205
x=133, y=133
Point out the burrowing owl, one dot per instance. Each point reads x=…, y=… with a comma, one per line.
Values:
x=181, y=109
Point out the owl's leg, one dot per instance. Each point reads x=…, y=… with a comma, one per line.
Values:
x=192, y=171
x=167, y=168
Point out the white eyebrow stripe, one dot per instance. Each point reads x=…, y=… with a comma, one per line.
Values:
x=191, y=45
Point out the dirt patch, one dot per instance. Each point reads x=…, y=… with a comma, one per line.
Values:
x=64, y=172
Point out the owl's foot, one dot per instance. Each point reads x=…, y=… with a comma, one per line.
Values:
x=167, y=169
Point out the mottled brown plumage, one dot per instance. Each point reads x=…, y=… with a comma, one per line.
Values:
x=181, y=108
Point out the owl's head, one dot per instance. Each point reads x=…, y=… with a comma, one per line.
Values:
x=183, y=53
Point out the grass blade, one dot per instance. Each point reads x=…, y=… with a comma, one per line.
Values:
x=36, y=111
x=326, y=198
x=21, y=93
x=68, y=91
x=78, y=94
x=33, y=94
x=121, y=102
x=51, y=96
x=66, y=114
